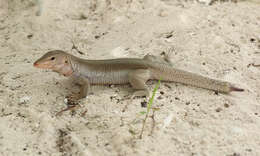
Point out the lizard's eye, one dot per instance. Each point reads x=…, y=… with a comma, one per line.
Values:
x=53, y=58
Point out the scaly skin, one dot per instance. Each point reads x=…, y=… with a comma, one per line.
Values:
x=125, y=70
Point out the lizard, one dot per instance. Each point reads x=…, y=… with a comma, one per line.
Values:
x=135, y=71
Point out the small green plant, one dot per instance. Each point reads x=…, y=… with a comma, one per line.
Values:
x=149, y=107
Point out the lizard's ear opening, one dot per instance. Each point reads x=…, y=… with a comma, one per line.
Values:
x=66, y=61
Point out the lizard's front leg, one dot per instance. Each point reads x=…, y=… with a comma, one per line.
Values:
x=84, y=84
x=85, y=87
x=72, y=99
x=137, y=79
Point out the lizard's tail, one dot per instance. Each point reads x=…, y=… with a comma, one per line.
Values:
x=167, y=73
x=232, y=88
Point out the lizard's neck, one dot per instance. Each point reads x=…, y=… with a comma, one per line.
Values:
x=74, y=63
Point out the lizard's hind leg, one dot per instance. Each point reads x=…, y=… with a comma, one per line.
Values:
x=137, y=79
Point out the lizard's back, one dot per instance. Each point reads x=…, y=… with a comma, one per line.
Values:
x=114, y=71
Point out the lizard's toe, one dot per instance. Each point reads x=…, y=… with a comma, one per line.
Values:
x=73, y=97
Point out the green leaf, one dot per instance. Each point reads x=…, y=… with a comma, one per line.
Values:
x=149, y=106
x=143, y=112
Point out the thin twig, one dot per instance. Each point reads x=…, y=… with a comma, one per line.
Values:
x=76, y=48
x=153, y=118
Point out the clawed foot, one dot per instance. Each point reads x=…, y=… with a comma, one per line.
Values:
x=73, y=97
x=72, y=108
x=69, y=108
x=72, y=104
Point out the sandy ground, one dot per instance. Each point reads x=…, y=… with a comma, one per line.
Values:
x=220, y=40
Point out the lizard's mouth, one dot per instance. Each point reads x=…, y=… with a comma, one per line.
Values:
x=42, y=65
x=35, y=64
x=48, y=68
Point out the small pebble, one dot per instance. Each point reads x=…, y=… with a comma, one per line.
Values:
x=187, y=103
x=252, y=40
x=226, y=105
x=24, y=99
x=236, y=154
x=218, y=109
x=29, y=36
x=176, y=98
x=159, y=97
x=249, y=150
x=207, y=2
x=143, y=104
x=66, y=101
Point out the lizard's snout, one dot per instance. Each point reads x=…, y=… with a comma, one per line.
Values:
x=43, y=65
x=40, y=65
x=35, y=64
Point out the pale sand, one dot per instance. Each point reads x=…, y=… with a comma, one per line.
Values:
x=221, y=40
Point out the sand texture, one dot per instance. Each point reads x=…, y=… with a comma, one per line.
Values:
x=218, y=39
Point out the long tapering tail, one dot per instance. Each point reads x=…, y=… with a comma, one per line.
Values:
x=167, y=73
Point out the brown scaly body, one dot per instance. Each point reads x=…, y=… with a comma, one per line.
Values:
x=126, y=70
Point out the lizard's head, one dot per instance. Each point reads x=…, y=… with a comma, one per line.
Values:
x=55, y=60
